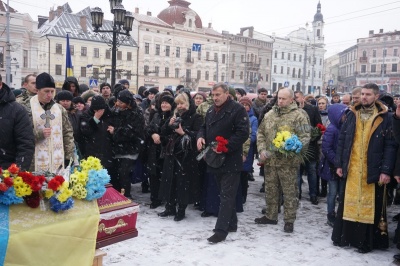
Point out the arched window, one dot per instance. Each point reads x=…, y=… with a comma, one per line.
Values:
x=318, y=33
x=190, y=23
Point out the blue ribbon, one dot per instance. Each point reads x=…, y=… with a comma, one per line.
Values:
x=4, y=231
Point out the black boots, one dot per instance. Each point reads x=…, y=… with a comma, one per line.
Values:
x=170, y=210
x=180, y=215
x=265, y=220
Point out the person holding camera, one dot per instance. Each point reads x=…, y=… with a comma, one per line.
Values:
x=180, y=178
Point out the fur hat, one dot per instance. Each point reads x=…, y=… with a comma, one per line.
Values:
x=245, y=100
x=123, y=81
x=64, y=96
x=44, y=80
x=125, y=96
x=98, y=103
x=168, y=99
x=78, y=100
x=153, y=90
x=87, y=95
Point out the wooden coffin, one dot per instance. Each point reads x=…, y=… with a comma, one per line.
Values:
x=118, y=216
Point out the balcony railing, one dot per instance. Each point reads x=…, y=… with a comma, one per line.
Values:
x=363, y=59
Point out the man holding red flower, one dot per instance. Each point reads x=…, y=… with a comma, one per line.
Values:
x=227, y=123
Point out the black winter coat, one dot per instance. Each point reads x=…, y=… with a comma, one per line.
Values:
x=128, y=134
x=232, y=123
x=396, y=133
x=97, y=141
x=382, y=148
x=180, y=175
x=315, y=118
x=155, y=163
x=17, y=143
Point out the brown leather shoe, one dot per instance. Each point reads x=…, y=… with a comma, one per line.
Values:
x=288, y=228
x=265, y=220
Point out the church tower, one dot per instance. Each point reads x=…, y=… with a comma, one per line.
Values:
x=318, y=26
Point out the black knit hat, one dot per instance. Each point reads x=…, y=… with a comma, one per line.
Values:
x=125, y=96
x=168, y=99
x=78, y=99
x=64, y=96
x=102, y=85
x=44, y=80
x=98, y=103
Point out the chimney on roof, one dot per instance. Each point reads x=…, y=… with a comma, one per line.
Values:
x=59, y=11
x=41, y=20
x=148, y=13
x=380, y=30
x=371, y=32
x=209, y=25
x=136, y=10
x=83, y=23
x=51, y=15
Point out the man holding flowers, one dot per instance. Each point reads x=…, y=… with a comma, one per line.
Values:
x=282, y=140
x=226, y=123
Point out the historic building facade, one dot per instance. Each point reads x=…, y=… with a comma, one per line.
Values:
x=175, y=48
x=378, y=60
x=91, y=55
x=298, y=59
x=23, y=45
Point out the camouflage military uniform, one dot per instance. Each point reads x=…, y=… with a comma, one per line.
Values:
x=203, y=107
x=67, y=131
x=24, y=97
x=281, y=170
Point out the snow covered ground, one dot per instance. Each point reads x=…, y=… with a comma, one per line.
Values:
x=162, y=241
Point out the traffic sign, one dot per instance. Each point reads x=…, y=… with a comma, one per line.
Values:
x=330, y=82
x=93, y=83
x=286, y=84
x=196, y=47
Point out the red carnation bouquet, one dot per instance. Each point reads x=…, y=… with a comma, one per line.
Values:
x=322, y=128
x=317, y=131
x=220, y=144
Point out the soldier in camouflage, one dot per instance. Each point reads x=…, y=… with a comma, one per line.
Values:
x=28, y=89
x=280, y=170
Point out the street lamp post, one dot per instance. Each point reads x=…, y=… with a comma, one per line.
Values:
x=122, y=25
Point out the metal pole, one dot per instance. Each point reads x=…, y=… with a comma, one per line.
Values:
x=383, y=65
x=8, y=49
x=312, y=74
x=217, y=70
x=114, y=55
x=303, y=86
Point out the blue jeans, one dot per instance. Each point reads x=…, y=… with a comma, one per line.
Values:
x=336, y=188
x=311, y=168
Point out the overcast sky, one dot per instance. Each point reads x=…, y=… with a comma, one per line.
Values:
x=345, y=20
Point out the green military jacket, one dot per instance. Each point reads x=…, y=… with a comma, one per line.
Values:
x=283, y=118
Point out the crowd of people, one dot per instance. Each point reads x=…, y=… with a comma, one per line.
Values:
x=201, y=148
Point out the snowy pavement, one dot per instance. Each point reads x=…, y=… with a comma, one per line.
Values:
x=162, y=241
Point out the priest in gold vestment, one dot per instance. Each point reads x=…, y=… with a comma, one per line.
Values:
x=365, y=157
x=54, y=140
